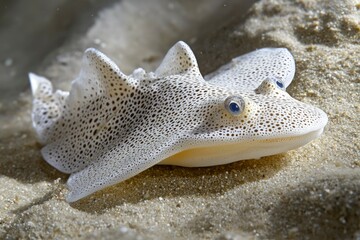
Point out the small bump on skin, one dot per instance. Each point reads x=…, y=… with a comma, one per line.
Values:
x=111, y=126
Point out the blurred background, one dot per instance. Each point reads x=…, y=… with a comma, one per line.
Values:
x=34, y=33
x=30, y=30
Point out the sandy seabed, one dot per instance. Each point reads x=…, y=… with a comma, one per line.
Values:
x=309, y=193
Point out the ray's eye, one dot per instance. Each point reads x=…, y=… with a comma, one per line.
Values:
x=269, y=85
x=235, y=105
x=277, y=81
x=279, y=84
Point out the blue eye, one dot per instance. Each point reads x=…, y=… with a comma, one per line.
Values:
x=280, y=84
x=235, y=105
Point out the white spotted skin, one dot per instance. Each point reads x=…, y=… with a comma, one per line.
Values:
x=111, y=127
x=247, y=72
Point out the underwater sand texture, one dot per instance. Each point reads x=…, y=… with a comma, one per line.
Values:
x=309, y=193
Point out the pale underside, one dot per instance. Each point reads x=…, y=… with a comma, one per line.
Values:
x=228, y=153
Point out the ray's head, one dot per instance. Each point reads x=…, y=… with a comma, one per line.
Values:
x=266, y=113
x=265, y=119
x=235, y=125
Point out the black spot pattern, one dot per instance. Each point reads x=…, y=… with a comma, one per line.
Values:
x=47, y=106
x=111, y=126
x=249, y=70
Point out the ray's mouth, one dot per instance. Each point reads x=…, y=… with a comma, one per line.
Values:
x=307, y=136
x=212, y=155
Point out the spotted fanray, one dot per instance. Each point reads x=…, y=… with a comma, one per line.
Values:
x=111, y=126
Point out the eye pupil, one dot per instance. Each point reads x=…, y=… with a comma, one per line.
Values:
x=280, y=84
x=234, y=107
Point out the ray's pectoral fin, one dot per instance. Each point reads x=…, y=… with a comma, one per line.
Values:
x=247, y=72
x=118, y=164
x=76, y=138
x=178, y=60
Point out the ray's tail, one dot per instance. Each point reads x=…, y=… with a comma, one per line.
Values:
x=47, y=106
